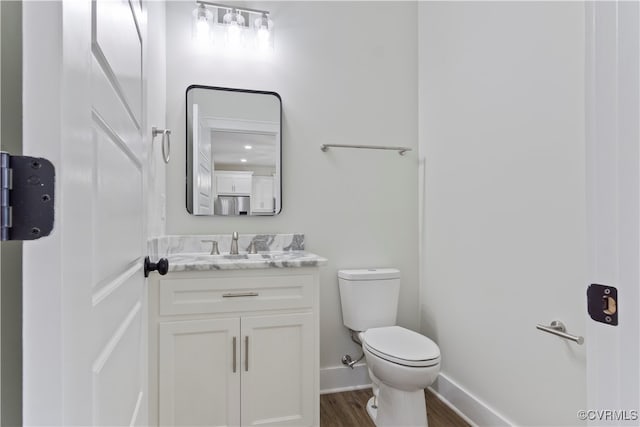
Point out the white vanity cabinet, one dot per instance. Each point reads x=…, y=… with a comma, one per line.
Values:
x=235, y=347
x=233, y=183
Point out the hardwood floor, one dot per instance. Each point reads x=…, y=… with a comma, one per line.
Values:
x=348, y=410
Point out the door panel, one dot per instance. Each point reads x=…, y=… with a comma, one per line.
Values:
x=109, y=309
x=118, y=203
x=117, y=40
x=204, y=162
x=277, y=381
x=106, y=104
x=116, y=375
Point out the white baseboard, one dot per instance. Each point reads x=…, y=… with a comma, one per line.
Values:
x=465, y=404
x=335, y=379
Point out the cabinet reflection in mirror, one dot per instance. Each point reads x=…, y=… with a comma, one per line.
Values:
x=233, y=151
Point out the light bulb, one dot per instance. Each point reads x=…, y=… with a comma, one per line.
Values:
x=234, y=22
x=201, y=28
x=263, y=27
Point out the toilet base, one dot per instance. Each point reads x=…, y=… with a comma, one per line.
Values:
x=372, y=409
x=394, y=408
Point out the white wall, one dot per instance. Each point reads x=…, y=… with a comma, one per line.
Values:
x=502, y=135
x=342, y=79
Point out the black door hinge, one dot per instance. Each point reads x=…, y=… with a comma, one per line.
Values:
x=26, y=197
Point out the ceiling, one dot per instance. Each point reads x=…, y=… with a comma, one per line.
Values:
x=229, y=147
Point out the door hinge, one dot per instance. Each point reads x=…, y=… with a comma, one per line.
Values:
x=26, y=197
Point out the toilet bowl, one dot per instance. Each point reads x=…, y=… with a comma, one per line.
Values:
x=401, y=362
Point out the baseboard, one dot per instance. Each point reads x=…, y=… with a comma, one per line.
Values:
x=335, y=379
x=465, y=404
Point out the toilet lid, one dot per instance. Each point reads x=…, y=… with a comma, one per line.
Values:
x=402, y=346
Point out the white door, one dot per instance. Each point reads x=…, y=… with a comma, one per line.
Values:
x=199, y=372
x=85, y=358
x=277, y=372
x=203, y=180
x=613, y=188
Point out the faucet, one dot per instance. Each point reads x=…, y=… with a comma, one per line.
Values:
x=234, y=243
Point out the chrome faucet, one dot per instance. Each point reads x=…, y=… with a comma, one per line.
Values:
x=234, y=243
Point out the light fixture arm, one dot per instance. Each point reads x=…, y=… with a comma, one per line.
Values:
x=224, y=6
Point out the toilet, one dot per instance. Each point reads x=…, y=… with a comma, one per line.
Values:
x=401, y=362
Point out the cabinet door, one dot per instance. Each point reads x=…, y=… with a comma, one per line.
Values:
x=197, y=382
x=277, y=370
x=262, y=194
x=225, y=184
x=242, y=184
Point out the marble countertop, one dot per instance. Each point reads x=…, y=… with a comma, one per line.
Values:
x=206, y=262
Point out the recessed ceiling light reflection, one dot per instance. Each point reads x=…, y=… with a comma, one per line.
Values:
x=243, y=160
x=248, y=147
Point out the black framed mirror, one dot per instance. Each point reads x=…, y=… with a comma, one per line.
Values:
x=234, y=151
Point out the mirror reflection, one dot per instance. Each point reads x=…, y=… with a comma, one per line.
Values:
x=233, y=152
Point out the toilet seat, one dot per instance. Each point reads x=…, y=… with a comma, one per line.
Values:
x=401, y=346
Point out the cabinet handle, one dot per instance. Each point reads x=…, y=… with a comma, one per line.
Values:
x=246, y=353
x=240, y=294
x=235, y=346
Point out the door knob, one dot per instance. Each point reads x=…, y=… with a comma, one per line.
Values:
x=162, y=266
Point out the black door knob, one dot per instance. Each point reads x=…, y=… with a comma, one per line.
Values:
x=162, y=266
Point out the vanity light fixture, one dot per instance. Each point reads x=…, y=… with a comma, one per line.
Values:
x=233, y=27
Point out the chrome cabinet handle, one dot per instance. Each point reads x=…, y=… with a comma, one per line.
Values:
x=246, y=353
x=240, y=294
x=557, y=328
x=235, y=346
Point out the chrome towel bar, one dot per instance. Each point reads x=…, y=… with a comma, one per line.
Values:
x=400, y=150
x=557, y=328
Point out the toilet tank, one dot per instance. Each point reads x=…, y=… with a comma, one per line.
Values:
x=369, y=297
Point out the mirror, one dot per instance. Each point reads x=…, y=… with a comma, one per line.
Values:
x=233, y=151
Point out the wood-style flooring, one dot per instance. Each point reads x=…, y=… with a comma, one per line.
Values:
x=348, y=410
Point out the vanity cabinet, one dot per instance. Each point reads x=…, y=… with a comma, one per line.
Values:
x=237, y=348
x=233, y=183
x=262, y=197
